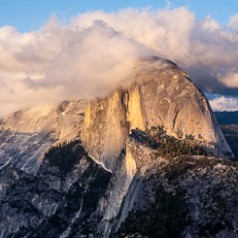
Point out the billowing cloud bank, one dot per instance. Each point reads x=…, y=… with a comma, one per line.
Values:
x=95, y=52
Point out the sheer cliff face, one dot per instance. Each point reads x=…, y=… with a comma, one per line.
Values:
x=105, y=129
x=161, y=95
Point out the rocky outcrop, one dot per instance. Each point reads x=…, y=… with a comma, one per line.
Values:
x=27, y=135
x=61, y=199
x=105, y=129
x=161, y=95
x=62, y=123
x=182, y=196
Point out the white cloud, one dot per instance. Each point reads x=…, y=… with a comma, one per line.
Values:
x=233, y=23
x=95, y=52
x=224, y=104
x=210, y=24
x=230, y=79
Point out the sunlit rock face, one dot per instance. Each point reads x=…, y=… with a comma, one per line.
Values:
x=170, y=99
x=161, y=95
x=105, y=129
x=86, y=169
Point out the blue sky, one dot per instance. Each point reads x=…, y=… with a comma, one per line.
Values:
x=28, y=15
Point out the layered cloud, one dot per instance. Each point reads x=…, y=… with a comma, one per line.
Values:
x=234, y=22
x=95, y=52
x=222, y=103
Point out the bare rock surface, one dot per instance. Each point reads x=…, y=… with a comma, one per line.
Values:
x=161, y=95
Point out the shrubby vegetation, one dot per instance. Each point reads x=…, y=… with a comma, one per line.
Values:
x=65, y=156
x=165, y=216
x=172, y=191
x=169, y=146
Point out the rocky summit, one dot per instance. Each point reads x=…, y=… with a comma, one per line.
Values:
x=148, y=160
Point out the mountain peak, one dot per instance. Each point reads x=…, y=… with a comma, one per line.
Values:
x=161, y=95
x=145, y=154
